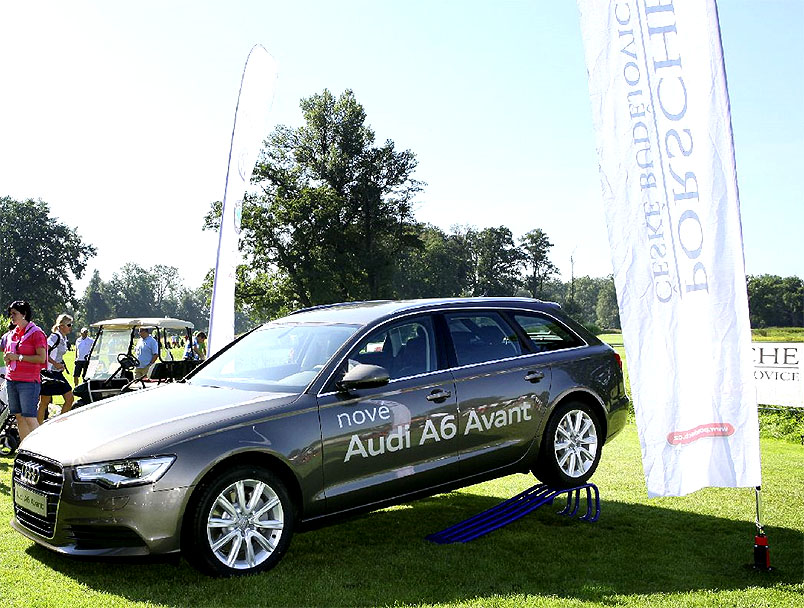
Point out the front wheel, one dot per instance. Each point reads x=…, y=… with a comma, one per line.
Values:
x=241, y=523
x=9, y=442
x=571, y=446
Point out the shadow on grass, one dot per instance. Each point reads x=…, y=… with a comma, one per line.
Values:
x=383, y=557
x=5, y=465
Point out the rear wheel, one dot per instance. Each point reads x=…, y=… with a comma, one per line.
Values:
x=241, y=523
x=571, y=446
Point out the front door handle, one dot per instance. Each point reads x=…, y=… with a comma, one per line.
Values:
x=438, y=396
x=534, y=376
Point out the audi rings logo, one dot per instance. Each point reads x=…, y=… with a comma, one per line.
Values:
x=29, y=473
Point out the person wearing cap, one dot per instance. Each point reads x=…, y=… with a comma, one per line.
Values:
x=146, y=351
x=82, y=348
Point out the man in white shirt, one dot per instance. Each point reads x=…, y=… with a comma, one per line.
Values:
x=82, y=348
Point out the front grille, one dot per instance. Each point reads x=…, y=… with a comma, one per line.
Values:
x=48, y=480
x=103, y=537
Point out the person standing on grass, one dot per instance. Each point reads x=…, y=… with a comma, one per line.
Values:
x=196, y=349
x=57, y=346
x=201, y=345
x=83, y=346
x=25, y=355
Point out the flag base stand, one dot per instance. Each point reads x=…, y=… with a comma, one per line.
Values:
x=517, y=507
x=761, y=549
x=761, y=553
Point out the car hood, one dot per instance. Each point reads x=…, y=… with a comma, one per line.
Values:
x=128, y=424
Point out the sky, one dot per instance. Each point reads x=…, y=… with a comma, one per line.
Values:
x=119, y=115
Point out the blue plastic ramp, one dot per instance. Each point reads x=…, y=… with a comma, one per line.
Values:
x=517, y=507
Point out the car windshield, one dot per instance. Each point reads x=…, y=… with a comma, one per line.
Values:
x=280, y=357
x=103, y=361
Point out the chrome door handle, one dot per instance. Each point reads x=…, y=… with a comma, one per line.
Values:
x=438, y=396
x=534, y=376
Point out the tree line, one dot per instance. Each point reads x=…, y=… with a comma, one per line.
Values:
x=330, y=218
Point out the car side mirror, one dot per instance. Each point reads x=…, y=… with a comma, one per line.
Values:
x=363, y=376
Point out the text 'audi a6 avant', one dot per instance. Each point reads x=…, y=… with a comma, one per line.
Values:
x=323, y=413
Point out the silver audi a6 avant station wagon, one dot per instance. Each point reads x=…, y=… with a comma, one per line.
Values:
x=326, y=412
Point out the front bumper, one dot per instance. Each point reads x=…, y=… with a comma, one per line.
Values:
x=84, y=518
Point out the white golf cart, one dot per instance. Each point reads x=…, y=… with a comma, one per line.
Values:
x=112, y=359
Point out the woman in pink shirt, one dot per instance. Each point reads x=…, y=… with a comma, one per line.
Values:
x=25, y=355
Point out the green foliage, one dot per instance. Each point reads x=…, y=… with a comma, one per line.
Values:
x=538, y=267
x=606, y=308
x=334, y=211
x=96, y=304
x=786, y=424
x=40, y=259
x=135, y=291
x=582, y=299
x=439, y=266
x=497, y=262
x=774, y=301
x=333, y=221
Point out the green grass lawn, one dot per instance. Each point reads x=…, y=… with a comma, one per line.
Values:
x=778, y=334
x=686, y=551
x=690, y=551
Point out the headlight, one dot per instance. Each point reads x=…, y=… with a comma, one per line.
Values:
x=124, y=473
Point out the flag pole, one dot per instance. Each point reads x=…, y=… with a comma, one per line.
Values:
x=761, y=549
x=251, y=121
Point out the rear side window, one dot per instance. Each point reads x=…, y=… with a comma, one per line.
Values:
x=482, y=336
x=546, y=333
x=404, y=349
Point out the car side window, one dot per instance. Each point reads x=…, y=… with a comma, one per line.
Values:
x=481, y=336
x=546, y=333
x=405, y=349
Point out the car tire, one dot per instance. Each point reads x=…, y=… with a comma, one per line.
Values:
x=571, y=446
x=241, y=523
x=8, y=444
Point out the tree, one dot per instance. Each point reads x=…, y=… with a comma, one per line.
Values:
x=608, y=313
x=166, y=282
x=440, y=267
x=132, y=289
x=193, y=305
x=584, y=302
x=95, y=305
x=792, y=295
x=40, y=258
x=774, y=301
x=539, y=268
x=135, y=291
x=334, y=211
x=496, y=262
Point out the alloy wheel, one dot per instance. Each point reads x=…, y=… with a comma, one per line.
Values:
x=245, y=524
x=575, y=443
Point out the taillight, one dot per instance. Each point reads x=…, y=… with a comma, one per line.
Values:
x=619, y=360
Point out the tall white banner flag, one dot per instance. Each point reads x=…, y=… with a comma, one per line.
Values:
x=250, y=128
x=661, y=114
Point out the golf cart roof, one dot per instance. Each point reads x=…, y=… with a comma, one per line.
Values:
x=160, y=322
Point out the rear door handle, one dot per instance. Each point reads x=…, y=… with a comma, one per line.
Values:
x=438, y=396
x=534, y=376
